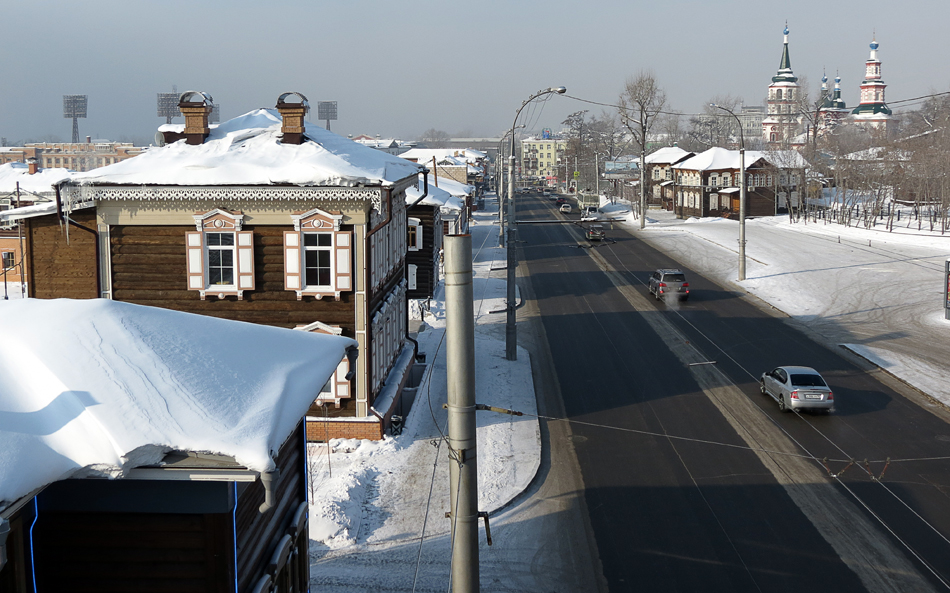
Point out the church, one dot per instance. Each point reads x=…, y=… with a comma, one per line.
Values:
x=787, y=126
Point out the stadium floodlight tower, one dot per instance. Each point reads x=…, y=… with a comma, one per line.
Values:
x=326, y=110
x=74, y=106
x=168, y=105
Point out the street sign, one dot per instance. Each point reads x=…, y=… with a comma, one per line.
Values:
x=577, y=174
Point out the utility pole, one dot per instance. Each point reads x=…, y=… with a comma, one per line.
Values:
x=460, y=369
x=643, y=186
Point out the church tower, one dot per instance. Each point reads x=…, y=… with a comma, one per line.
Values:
x=833, y=109
x=782, y=122
x=872, y=110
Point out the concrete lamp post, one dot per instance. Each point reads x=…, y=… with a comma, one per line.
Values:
x=511, y=332
x=742, y=185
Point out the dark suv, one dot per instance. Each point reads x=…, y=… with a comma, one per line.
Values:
x=669, y=282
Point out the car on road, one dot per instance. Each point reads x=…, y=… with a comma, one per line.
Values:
x=797, y=388
x=668, y=283
x=566, y=208
x=595, y=232
x=560, y=201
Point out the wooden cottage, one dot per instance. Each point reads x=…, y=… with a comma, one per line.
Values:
x=707, y=184
x=263, y=219
x=425, y=240
x=167, y=454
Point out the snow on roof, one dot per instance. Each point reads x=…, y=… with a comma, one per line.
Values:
x=424, y=155
x=450, y=185
x=436, y=196
x=716, y=159
x=98, y=387
x=247, y=151
x=40, y=182
x=666, y=155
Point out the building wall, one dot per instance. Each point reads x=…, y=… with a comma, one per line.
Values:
x=61, y=265
x=81, y=156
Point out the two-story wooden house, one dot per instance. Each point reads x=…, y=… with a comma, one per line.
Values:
x=264, y=219
x=708, y=184
x=660, y=172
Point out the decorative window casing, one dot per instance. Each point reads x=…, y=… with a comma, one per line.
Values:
x=220, y=255
x=318, y=256
x=337, y=388
x=414, y=239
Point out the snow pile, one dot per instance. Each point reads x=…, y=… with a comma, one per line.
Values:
x=247, y=151
x=97, y=387
x=40, y=182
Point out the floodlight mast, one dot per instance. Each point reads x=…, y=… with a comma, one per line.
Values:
x=74, y=106
x=326, y=111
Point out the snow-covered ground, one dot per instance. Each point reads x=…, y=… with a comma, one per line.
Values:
x=378, y=509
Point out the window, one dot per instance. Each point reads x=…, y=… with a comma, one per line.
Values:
x=317, y=251
x=220, y=256
x=317, y=255
x=8, y=260
x=414, y=238
x=220, y=250
x=778, y=93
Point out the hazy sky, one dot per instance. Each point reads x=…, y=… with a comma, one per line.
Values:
x=399, y=68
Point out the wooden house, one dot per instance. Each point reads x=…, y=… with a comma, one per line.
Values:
x=425, y=240
x=263, y=219
x=707, y=184
x=162, y=469
x=660, y=172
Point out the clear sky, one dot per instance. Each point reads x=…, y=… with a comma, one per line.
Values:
x=399, y=68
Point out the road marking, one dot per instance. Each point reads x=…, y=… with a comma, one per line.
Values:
x=859, y=543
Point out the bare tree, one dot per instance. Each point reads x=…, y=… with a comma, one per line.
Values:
x=641, y=103
x=434, y=138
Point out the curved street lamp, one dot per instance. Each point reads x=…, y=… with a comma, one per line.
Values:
x=511, y=331
x=742, y=196
x=500, y=185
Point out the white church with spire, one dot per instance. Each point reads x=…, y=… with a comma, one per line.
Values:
x=872, y=111
x=781, y=126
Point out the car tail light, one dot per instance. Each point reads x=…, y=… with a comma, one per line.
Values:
x=686, y=285
x=794, y=394
x=662, y=284
x=830, y=395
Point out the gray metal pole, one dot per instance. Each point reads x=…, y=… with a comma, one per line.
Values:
x=460, y=369
x=511, y=328
x=500, y=193
x=643, y=186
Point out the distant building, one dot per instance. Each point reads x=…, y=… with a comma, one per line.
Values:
x=833, y=110
x=81, y=156
x=541, y=158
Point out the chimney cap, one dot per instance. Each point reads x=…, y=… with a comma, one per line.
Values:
x=303, y=100
x=204, y=98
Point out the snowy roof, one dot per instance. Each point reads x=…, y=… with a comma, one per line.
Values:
x=436, y=196
x=716, y=159
x=98, y=387
x=424, y=155
x=666, y=155
x=247, y=151
x=40, y=182
x=450, y=185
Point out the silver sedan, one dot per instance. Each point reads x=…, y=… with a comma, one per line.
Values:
x=797, y=388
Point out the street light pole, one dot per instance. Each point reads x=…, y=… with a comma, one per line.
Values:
x=511, y=331
x=742, y=186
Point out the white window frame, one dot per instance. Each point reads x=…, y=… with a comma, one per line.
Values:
x=318, y=222
x=415, y=225
x=197, y=249
x=329, y=249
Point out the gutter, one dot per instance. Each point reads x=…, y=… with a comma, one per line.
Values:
x=63, y=218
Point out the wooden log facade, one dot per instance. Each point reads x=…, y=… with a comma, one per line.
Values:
x=156, y=536
x=425, y=258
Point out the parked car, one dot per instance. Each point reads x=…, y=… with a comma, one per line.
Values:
x=566, y=208
x=797, y=388
x=668, y=282
x=595, y=232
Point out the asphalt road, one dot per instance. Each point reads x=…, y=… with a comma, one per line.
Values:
x=733, y=498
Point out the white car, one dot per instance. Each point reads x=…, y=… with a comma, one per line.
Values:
x=566, y=208
x=797, y=388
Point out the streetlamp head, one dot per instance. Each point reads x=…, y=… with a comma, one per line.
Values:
x=559, y=90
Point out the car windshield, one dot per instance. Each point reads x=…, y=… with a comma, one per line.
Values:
x=674, y=277
x=808, y=381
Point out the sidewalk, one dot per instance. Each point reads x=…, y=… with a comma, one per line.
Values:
x=377, y=515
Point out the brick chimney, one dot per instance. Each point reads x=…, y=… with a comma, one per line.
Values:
x=196, y=107
x=292, y=115
x=32, y=166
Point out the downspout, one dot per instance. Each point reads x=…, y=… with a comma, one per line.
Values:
x=63, y=218
x=269, y=481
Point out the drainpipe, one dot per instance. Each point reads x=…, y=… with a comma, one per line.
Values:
x=63, y=218
x=269, y=480
x=425, y=192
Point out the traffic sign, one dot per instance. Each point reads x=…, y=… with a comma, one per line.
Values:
x=577, y=174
